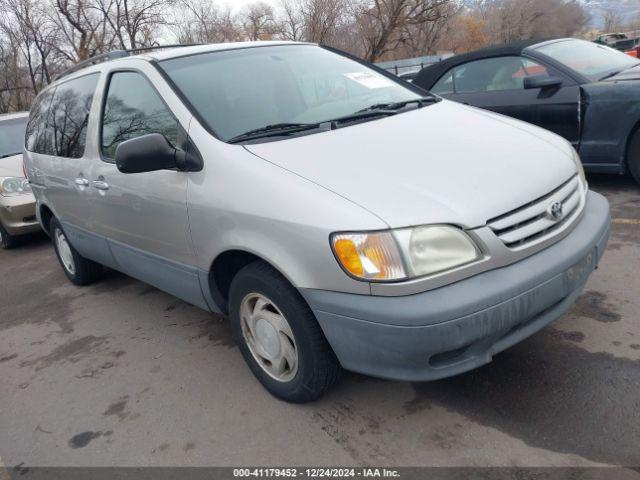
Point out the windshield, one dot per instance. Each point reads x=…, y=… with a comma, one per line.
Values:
x=238, y=91
x=12, y=136
x=591, y=60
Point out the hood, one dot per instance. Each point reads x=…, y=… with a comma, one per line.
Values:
x=11, y=166
x=444, y=163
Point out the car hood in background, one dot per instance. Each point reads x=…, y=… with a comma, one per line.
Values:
x=444, y=163
x=11, y=166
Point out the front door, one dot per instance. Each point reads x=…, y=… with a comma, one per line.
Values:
x=497, y=84
x=143, y=216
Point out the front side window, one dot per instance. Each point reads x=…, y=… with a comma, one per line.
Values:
x=12, y=136
x=69, y=116
x=237, y=91
x=591, y=60
x=489, y=75
x=132, y=109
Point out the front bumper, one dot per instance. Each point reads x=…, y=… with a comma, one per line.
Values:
x=18, y=214
x=459, y=327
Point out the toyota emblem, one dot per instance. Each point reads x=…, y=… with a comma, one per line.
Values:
x=555, y=210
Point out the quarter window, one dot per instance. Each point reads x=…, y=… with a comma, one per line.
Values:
x=132, y=109
x=67, y=123
x=38, y=138
x=445, y=84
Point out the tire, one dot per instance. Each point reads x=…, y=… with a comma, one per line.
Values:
x=7, y=241
x=633, y=157
x=79, y=270
x=315, y=368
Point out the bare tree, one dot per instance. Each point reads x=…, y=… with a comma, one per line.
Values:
x=291, y=24
x=465, y=33
x=202, y=21
x=38, y=38
x=134, y=22
x=424, y=38
x=611, y=20
x=15, y=94
x=383, y=23
x=85, y=31
x=510, y=20
x=27, y=49
x=258, y=21
x=322, y=19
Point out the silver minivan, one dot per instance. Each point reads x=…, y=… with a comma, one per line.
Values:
x=340, y=217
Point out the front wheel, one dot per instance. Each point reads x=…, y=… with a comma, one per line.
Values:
x=6, y=241
x=279, y=336
x=633, y=157
x=79, y=270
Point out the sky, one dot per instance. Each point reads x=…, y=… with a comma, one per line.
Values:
x=237, y=4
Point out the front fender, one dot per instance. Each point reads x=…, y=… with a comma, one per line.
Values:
x=611, y=115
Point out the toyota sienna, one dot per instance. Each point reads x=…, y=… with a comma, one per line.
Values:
x=340, y=217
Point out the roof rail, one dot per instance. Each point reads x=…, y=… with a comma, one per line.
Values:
x=115, y=54
x=160, y=47
x=105, y=57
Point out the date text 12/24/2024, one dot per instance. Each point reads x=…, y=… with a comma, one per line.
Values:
x=317, y=472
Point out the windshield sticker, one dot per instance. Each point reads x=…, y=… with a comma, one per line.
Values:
x=369, y=80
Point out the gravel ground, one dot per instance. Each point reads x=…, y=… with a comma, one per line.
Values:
x=122, y=374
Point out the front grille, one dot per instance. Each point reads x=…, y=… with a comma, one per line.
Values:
x=522, y=226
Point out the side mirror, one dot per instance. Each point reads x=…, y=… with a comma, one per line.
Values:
x=147, y=153
x=541, y=81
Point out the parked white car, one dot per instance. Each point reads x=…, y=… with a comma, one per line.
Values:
x=17, y=203
x=340, y=216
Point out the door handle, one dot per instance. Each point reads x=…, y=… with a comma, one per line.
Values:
x=82, y=182
x=100, y=185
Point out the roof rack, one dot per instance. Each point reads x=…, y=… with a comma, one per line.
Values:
x=115, y=54
x=160, y=47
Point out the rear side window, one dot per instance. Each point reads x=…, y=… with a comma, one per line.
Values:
x=69, y=116
x=132, y=109
x=38, y=138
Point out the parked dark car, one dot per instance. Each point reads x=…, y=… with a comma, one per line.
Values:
x=585, y=92
x=408, y=76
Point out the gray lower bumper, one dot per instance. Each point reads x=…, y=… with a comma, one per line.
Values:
x=459, y=327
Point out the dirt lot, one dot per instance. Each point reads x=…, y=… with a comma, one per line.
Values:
x=120, y=373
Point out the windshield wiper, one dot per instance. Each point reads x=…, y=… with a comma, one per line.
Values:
x=612, y=74
x=361, y=115
x=382, y=109
x=9, y=155
x=398, y=105
x=378, y=110
x=273, y=130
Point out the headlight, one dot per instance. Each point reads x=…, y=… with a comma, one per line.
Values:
x=13, y=186
x=404, y=253
x=580, y=168
x=369, y=256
